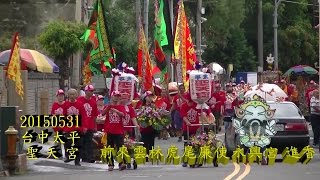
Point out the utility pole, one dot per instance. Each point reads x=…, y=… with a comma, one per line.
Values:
x=168, y=58
x=198, y=32
x=145, y=18
x=260, y=34
x=275, y=28
x=74, y=80
x=275, y=34
x=319, y=44
x=138, y=16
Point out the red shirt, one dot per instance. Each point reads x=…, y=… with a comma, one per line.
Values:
x=193, y=114
x=74, y=108
x=217, y=100
x=307, y=95
x=177, y=101
x=163, y=103
x=100, y=126
x=138, y=105
x=229, y=104
x=127, y=120
x=91, y=109
x=113, y=123
x=58, y=109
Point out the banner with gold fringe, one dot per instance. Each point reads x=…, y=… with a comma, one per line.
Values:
x=14, y=66
x=86, y=72
x=183, y=47
x=144, y=62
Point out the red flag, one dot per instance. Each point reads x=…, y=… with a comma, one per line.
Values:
x=144, y=62
x=158, y=53
x=140, y=62
x=103, y=67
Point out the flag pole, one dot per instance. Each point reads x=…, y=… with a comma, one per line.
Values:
x=14, y=40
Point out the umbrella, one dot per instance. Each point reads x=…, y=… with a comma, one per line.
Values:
x=216, y=68
x=34, y=60
x=301, y=69
x=270, y=92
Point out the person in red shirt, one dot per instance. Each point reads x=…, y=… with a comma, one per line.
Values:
x=312, y=87
x=230, y=101
x=191, y=118
x=73, y=107
x=88, y=122
x=148, y=134
x=57, y=107
x=163, y=102
x=130, y=120
x=175, y=108
x=100, y=119
x=215, y=103
x=113, y=127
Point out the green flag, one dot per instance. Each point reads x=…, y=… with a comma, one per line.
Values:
x=163, y=43
x=101, y=51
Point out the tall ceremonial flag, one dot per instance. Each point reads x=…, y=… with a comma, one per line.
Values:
x=163, y=43
x=183, y=47
x=86, y=72
x=144, y=62
x=14, y=66
x=97, y=34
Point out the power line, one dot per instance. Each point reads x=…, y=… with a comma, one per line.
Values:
x=295, y=2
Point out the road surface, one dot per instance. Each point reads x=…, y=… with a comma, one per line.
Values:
x=49, y=169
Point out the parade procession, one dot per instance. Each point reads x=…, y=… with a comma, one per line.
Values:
x=169, y=112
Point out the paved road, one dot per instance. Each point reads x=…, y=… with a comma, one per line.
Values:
x=277, y=172
x=47, y=169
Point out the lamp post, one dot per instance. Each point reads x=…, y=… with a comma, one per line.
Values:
x=198, y=30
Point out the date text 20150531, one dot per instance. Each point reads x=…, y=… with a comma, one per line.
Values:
x=50, y=121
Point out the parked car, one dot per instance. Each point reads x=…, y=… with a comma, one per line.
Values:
x=292, y=129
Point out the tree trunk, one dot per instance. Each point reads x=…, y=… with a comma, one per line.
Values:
x=63, y=65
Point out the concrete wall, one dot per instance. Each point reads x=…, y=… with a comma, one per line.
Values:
x=39, y=87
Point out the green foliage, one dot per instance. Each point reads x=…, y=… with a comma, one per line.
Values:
x=122, y=31
x=297, y=40
x=225, y=36
x=25, y=42
x=6, y=41
x=62, y=38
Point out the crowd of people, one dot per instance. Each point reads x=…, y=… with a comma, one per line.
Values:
x=112, y=116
